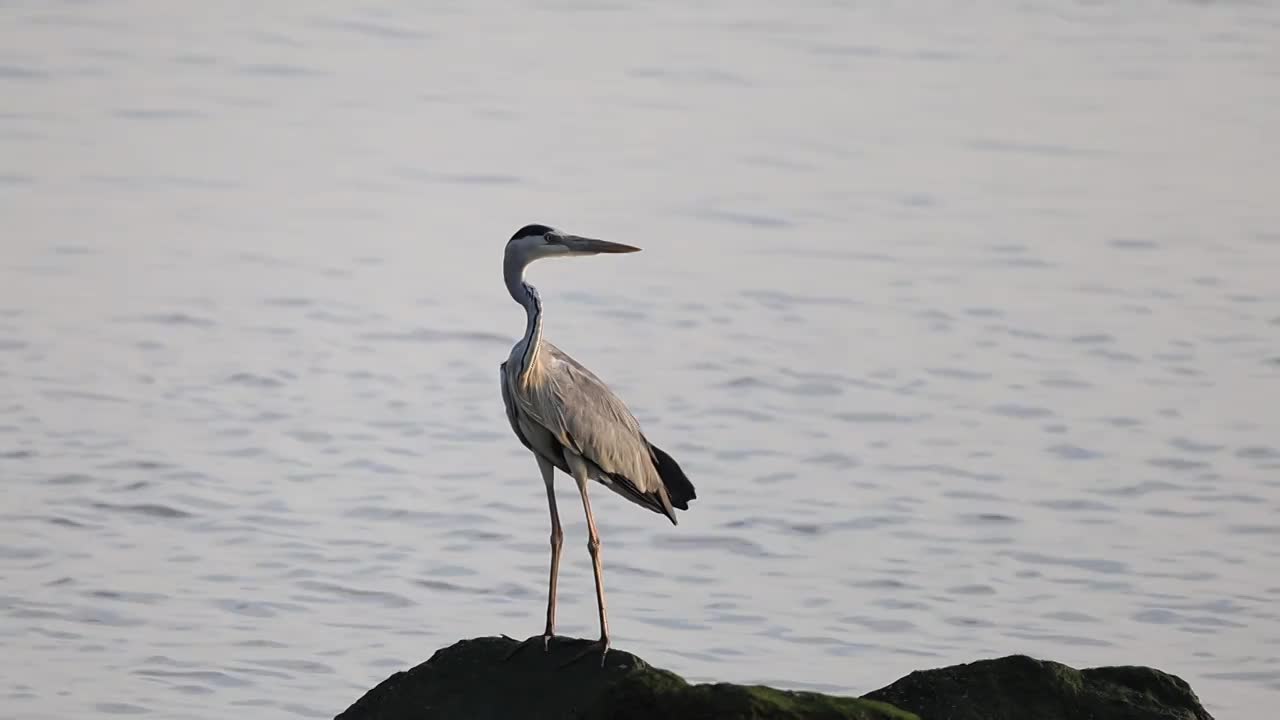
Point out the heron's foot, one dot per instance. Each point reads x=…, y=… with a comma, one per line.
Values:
x=601, y=646
x=545, y=638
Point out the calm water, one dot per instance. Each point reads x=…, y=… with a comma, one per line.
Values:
x=963, y=319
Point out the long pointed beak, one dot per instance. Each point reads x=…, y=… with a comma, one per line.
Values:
x=591, y=245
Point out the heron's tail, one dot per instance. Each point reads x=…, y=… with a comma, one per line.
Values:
x=679, y=489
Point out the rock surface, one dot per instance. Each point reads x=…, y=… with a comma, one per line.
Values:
x=475, y=680
x=1017, y=687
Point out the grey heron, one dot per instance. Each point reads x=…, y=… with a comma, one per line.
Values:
x=573, y=423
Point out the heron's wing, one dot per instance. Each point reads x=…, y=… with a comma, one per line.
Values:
x=595, y=423
x=584, y=415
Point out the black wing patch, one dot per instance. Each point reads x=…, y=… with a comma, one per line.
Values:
x=679, y=489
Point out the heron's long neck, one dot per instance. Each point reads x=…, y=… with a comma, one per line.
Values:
x=527, y=295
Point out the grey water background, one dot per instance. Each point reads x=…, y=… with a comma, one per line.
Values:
x=963, y=317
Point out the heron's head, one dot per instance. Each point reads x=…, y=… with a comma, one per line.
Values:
x=534, y=242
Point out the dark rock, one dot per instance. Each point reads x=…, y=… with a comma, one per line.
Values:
x=474, y=680
x=1018, y=687
x=470, y=680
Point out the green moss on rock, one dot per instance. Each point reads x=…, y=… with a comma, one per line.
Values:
x=651, y=695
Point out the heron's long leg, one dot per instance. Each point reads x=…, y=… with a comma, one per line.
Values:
x=557, y=538
x=593, y=546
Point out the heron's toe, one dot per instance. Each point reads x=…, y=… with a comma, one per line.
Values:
x=601, y=646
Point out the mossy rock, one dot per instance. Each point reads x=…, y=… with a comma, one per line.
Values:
x=473, y=680
x=1018, y=687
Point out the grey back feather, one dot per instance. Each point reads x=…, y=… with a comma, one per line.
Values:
x=561, y=397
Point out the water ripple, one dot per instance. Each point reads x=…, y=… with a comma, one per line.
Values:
x=341, y=593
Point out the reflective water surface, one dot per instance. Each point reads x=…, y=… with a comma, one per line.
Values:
x=963, y=318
